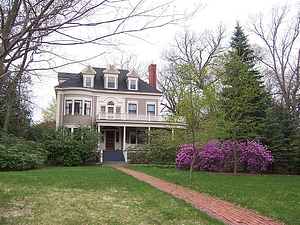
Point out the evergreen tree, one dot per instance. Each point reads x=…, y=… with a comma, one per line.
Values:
x=281, y=138
x=244, y=100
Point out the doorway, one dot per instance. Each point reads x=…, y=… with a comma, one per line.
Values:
x=110, y=140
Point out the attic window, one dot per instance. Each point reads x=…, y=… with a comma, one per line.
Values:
x=133, y=84
x=88, y=82
x=111, y=82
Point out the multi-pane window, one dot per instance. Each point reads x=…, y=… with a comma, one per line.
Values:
x=87, y=108
x=118, y=109
x=111, y=82
x=151, y=109
x=77, y=107
x=102, y=109
x=133, y=84
x=69, y=106
x=110, y=107
x=88, y=82
x=132, y=108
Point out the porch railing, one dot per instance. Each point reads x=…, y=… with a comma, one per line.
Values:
x=130, y=117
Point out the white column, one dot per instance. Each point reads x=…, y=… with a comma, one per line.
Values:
x=124, y=142
x=124, y=137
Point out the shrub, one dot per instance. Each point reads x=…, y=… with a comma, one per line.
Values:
x=252, y=157
x=19, y=154
x=163, y=146
x=185, y=157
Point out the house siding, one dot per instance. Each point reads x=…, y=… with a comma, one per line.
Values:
x=75, y=119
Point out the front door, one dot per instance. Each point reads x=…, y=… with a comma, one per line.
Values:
x=110, y=140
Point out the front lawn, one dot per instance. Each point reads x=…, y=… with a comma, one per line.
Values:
x=276, y=196
x=88, y=195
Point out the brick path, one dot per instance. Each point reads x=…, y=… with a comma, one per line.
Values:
x=214, y=207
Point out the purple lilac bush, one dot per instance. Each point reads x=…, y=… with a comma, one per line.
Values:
x=252, y=156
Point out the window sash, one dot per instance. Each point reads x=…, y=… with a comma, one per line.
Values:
x=78, y=107
x=69, y=107
x=87, y=108
x=88, y=82
x=132, y=108
x=133, y=84
x=102, y=109
x=151, y=109
x=111, y=82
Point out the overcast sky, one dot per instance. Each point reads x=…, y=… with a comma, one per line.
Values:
x=213, y=13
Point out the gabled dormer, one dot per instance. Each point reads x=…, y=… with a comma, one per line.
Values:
x=88, y=77
x=132, y=79
x=110, y=77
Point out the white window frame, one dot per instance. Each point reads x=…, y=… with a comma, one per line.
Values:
x=136, y=84
x=85, y=83
x=151, y=105
x=84, y=108
x=137, y=107
x=155, y=107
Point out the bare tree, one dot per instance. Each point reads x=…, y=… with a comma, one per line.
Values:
x=32, y=27
x=281, y=57
x=201, y=51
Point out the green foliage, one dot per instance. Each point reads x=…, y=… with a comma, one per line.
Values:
x=280, y=135
x=243, y=100
x=49, y=114
x=65, y=148
x=163, y=146
x=19, y=154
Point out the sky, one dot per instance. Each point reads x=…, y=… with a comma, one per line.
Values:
x=214, y=12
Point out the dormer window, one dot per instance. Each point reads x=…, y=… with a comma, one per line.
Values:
x=88, y=75
x=132, y=79
x=110, y=76
x=133, y=85
x=111, y=82
x=88, y=82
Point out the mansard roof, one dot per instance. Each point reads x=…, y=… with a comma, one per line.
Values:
x=76, y=80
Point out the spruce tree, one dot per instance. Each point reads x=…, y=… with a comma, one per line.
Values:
x=244, y=100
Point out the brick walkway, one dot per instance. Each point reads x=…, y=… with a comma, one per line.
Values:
x=214, y=207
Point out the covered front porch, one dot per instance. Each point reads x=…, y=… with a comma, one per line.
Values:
x=124, y=135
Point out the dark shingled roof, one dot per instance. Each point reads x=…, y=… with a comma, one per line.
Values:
x=76, y=80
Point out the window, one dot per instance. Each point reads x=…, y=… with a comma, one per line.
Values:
x=132, y=138
x=118, y=109
x=111, y=82
x=88, y=82
x=69, y=107
x=102, y=109
x=110, y=107
x=133, y=84
x=78, y=107
x=132, y=108
x=87, y=108
x=151, y=109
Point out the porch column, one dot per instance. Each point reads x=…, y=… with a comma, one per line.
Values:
x=149, y=135
x=124, y=137
x=100, y=144
x=124, y=142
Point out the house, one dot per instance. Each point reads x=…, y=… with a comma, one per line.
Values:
x=115, y=102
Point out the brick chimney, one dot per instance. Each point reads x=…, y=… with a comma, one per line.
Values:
x=152, y=75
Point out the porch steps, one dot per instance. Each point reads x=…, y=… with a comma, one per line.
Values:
x=113, y=156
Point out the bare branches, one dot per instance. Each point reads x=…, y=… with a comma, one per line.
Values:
x=280, y=37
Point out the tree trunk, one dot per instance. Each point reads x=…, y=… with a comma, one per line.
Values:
x=194, y=156
x=234, y=151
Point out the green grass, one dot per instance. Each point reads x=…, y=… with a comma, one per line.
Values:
x=276, y=196
x=89, y=195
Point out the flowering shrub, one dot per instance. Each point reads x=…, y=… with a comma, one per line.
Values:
x=185, y=157
x=252, y=157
